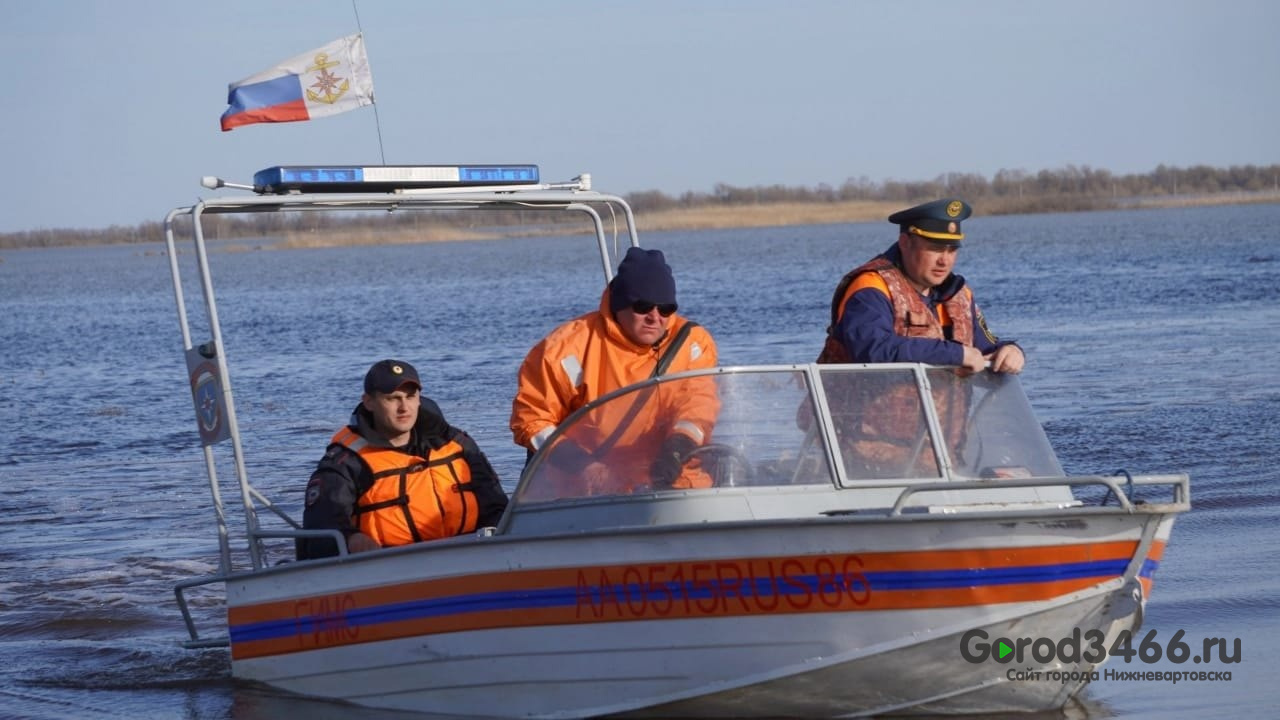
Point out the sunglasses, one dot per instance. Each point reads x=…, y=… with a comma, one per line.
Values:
x=641, y=307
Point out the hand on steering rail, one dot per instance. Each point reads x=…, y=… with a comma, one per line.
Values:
x=1007, y=359
x=671, y=458
x=973, y=361
x=599, y=480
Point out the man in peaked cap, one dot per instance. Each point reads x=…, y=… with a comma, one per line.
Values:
x=633, y=335
x=906, y=304
x=398, y=473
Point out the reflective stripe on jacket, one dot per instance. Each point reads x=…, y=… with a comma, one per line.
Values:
x=413, y=498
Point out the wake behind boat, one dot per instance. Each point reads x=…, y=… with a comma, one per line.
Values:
x=873, y=540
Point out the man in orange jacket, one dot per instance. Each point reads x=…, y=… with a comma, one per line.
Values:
x=637, y=442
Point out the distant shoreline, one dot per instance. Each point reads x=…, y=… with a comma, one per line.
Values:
x=728, y=217
x=814, y=213
x=701, y=217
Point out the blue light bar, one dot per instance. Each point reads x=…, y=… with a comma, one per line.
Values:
x=284, y=179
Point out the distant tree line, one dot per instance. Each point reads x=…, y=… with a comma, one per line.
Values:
x=1009, y=191
x=1048, y=190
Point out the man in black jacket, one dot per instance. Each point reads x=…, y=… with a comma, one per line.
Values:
x=398, y=473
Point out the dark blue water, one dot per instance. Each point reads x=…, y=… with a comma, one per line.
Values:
x=1151, y=338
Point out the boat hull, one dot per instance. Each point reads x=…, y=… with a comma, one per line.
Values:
x=803, y=618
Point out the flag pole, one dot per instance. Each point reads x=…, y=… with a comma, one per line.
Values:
x=377, y=122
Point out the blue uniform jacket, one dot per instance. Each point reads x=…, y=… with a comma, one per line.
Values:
x=866, y=327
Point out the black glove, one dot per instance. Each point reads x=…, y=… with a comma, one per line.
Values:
x=671, y=458
x=569, y=456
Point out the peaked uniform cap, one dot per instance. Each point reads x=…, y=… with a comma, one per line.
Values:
x=937, y=220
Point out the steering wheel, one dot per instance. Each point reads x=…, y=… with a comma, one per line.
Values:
x=729, y=466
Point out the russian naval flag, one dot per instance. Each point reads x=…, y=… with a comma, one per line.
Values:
x=326, y=81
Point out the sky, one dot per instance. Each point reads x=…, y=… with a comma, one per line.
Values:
x=112, y=107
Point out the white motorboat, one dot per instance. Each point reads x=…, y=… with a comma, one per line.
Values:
x=876, y=539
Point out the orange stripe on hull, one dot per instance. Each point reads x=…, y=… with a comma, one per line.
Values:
x=717, y=588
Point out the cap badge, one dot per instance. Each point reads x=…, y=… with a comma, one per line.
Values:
x=951, y=228
x=954, y=208
x=397, y=369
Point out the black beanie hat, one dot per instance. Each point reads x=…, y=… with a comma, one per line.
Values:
x=643, y=275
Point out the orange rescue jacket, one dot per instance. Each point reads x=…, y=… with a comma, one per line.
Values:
x=589, y=357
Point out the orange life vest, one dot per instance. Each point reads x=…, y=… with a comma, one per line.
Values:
x=413, y=498
x=911, y=317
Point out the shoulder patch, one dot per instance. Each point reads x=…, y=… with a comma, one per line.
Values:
x=313, y=491
x=982, y=325
x=695, y=351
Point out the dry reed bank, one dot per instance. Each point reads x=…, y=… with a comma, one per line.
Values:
x=823, y=213
x=1069, y=189
x=738, y=216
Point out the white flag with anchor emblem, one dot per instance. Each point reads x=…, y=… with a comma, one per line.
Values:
x=326, y=81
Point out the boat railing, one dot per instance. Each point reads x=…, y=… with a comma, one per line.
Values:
x=180, y=588
x=179, y=592
x=1178, y=484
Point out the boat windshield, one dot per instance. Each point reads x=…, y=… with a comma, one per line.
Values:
x=828, y=425
x=974, y=426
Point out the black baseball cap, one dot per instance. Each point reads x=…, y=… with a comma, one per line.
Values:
x=387, y=376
